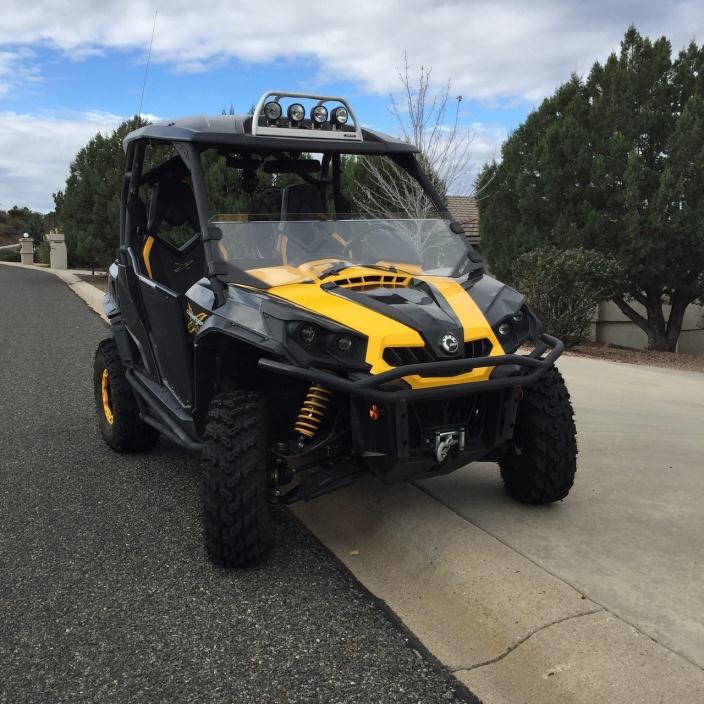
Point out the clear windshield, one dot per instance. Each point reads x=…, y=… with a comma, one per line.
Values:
x=278, y=253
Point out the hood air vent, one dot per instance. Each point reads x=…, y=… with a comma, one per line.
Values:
x=369, y=281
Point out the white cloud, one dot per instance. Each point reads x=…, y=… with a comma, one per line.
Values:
x=35, y=153
x=485, y=147
x=496, y=50
x=16, y=66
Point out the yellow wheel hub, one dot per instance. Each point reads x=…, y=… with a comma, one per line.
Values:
x=107, y=400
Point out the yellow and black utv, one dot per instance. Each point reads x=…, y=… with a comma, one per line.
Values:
x=297, y=345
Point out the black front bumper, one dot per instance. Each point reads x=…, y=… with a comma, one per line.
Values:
x=392, y=427
x=510, y=371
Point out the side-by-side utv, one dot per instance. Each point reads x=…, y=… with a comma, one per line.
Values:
x=298, y=345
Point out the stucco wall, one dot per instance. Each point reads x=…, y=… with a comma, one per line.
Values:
x=611, y=325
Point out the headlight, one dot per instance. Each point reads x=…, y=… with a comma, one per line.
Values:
x=308, y=334
x=343, y=343
x=339, y=115
x=517, y=328
x=338, y=349
x=296, y=112
x=272, y=111
x=320, y=114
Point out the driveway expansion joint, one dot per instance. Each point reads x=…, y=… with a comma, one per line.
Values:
x=522, y=640
x=601, y=606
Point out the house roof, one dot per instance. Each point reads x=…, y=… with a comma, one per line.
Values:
x=464, y=210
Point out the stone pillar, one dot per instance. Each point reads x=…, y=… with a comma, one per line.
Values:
x=57, y=250
x=26, y=249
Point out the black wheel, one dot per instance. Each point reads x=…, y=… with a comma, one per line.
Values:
x=541, y=461
x=116, y=408
x=236, y=466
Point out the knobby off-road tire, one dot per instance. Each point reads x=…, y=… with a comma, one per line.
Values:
x=540, y=463
x=236, y=463
x=116, y=407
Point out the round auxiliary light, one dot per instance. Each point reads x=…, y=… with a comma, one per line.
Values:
x=296, y=112
x=518, y=316
x=504, y=329
x=320, y=114
x=272, y=111
x=344, y=343
x=307, y=333
x=339, y=115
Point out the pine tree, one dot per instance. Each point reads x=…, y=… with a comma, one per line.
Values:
x=88, y=209
x=613, y=163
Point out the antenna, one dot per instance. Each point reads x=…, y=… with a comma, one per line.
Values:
x=146, y=68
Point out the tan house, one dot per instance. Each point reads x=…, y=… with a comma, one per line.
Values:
x=609, y=324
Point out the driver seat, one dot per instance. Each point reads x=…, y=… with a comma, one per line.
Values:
x=302, y=201
x=178, y=268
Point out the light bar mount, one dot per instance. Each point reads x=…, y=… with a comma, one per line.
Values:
x=344, y=132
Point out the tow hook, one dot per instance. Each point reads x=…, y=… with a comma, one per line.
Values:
x=446, y=440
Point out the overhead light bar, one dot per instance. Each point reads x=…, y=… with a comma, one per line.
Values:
x=330, y=117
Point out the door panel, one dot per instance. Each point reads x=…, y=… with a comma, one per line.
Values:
x=170, y=341
x=129, y=299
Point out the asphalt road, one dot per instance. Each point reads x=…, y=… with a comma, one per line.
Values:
x=105, y=593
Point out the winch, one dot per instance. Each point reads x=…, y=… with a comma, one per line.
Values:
x=445, y=440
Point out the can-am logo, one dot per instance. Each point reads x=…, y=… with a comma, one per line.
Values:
x=449, y=343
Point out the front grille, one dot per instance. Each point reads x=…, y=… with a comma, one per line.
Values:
x=369, y=281
x=477, y=348
x=400, y=356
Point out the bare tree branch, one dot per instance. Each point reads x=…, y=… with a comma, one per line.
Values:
x=430, y=121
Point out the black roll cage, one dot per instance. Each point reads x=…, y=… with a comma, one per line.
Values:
x=188, y=155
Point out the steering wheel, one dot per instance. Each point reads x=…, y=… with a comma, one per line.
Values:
x=388, y=234
x=344, y=245
x=320, y=247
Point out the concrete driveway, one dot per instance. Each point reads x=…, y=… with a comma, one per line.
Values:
x=597, y=598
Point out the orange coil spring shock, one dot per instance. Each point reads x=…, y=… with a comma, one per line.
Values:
x=312, y=411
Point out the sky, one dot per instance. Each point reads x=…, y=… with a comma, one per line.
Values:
x=71, y=68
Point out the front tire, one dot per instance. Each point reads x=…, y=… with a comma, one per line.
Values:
x=236, y=465
x=119, y=421
x=541, y=461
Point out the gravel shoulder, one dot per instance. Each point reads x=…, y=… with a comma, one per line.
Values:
x=105, y=592
x=648, y=358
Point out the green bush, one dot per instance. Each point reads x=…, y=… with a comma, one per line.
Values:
x=9, y=255
x=42, y=253
x=564, y=287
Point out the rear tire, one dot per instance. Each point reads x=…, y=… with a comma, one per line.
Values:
x=541, y=461
x=115, y=405
x=236, y=464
